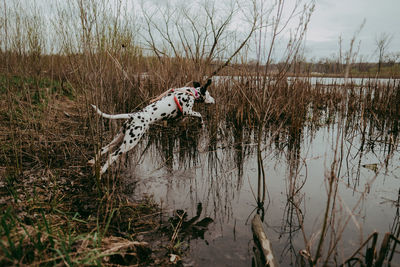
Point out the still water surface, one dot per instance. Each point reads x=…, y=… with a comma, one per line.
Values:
x=183, y=168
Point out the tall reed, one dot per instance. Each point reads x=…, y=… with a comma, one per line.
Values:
x=91, y=52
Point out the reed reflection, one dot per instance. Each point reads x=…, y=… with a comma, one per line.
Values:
x=222, y=164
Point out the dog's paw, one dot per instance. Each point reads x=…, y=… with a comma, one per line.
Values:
x=103, y=170
x=201, y=123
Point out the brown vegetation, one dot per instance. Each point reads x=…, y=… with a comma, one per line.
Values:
x=55, y=211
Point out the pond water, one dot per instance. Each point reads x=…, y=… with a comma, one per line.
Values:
x=211, y=173
x=182, y=168
x=343, y=81
x=329, y=81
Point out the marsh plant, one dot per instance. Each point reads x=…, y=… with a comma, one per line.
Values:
x=118, y=55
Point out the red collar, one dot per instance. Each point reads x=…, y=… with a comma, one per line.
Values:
x=179, y=106
x=177, y=102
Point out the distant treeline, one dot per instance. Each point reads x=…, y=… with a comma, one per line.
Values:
x=326, y=68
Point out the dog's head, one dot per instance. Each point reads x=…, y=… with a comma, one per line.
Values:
x=204, y=94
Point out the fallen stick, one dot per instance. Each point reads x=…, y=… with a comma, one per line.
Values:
x=261, y=240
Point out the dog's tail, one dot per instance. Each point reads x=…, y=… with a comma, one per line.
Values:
x=108, y=116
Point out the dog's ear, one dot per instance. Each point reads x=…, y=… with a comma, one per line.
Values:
x=196, y=84
x=204, y=88
x=208, y=83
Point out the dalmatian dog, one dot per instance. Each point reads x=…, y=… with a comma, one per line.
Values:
x=173, y=103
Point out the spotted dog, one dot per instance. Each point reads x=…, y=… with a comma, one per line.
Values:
x=174, y=103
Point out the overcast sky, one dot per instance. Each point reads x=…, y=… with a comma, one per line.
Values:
x=333, y=18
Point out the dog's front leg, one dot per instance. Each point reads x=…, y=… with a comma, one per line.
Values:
x=195, y=114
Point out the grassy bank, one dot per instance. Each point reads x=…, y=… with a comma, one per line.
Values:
x=52, y=209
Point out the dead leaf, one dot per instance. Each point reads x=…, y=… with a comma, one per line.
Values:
x=373, y=167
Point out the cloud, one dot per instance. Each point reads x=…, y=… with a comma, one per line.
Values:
x=332, y=19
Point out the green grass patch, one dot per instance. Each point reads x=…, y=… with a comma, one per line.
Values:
x=44, y=242
x=40, y=86
x=27, y=97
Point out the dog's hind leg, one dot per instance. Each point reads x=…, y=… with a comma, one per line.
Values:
x=131, y=139
x=112, y=144
x=106, y=148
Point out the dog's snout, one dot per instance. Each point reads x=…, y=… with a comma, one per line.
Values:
x=210, y=100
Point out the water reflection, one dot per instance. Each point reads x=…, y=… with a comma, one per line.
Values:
x=216, y=166
x=187, y=229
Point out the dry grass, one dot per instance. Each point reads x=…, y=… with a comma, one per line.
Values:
x=49, y=132
x=55, y=211
x=52, y=209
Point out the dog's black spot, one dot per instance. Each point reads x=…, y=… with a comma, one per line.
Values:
x=155, y=108
x=163, y=114
x=184, y=99
x=180, y=103
x=130, y=141
x=124, y=142
x=169, y=105
x=139, y=117
x=172, y=112
x=120, y=152
x=138, y=127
